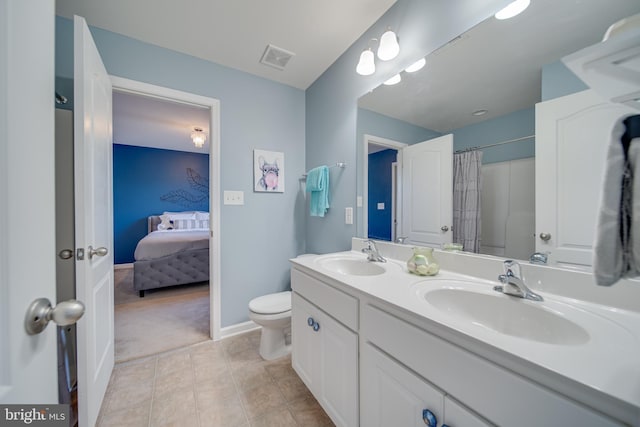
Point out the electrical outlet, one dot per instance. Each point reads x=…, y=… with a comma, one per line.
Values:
x=380, y=206
x=234, y=197
x=348, y=216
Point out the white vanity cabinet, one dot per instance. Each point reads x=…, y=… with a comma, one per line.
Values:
x=453, y=374
x=392, y=395
x=324, y=348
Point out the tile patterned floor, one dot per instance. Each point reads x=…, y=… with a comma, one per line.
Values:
x=210, y=385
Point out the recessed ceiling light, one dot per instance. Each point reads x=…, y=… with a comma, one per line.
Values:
x=393, y=80
x=513, y=9
x=416, y=66
x=479, y=112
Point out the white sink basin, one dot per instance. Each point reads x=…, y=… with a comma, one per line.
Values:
x=352, y=266
x=478, y=305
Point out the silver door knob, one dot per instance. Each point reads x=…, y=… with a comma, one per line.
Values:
x=101, y=251
x=444, y=228
x=545, y=236
x=40, y=312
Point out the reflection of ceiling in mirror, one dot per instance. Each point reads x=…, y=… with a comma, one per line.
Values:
x=496, y=65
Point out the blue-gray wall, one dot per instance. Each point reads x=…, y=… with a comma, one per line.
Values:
x=146, y=182
x=515, y=125
x=558, y=80
x=257, y=239
x=331, y=101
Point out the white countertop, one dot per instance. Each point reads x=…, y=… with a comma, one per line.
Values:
x=608, y=362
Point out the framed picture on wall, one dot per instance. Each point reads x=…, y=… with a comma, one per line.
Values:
x=268, y=171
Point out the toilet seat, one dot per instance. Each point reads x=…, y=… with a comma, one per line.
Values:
x=271, y=304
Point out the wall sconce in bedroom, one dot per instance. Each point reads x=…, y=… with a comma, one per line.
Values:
x=198, y=137
x=388, y=48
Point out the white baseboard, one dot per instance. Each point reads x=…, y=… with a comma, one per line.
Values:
x=238, y=328
x=123, y=266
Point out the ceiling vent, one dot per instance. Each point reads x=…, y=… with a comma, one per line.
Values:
x=276, y=57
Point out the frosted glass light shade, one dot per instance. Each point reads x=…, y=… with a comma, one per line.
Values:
x=416, y=66
x=198, y=137
x=366, y=65
x=389, y=47
x=393, y=80
x=513, y=9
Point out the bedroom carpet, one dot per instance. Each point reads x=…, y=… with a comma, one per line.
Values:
x=165, y=319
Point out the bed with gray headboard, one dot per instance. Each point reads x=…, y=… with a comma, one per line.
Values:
x=170, y=257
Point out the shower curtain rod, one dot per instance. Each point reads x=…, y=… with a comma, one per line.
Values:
x=509, y=141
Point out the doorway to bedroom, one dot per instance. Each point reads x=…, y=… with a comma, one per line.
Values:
x=165, y=175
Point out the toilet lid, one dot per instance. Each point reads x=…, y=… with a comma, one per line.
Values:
x=272, y=303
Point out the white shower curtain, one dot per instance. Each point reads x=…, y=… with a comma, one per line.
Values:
x=467, y=188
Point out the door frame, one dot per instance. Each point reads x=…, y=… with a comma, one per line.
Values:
x=145, y=89
x=384, y=142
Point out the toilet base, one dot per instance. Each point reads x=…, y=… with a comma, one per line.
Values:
x=273, y=343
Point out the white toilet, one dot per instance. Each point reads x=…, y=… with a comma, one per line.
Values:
x=273, y=313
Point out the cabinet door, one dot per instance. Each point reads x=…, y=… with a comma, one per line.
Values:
x=572, y=138
x=339, y=371
x=393, y=396
x=456, y=415
x=325, y=356
x=305, y=345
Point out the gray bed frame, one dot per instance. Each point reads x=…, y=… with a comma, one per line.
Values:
x=191, y=266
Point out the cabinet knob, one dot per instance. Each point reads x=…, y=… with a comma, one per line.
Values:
x=316, y=326
x=429, y=418
x=310, y=321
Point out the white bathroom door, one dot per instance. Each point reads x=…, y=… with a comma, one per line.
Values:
x=94, y=222
x=572, y=138
x=28, y=364
x=427, y=187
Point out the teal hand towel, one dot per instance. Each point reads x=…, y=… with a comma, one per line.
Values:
x=318, y=186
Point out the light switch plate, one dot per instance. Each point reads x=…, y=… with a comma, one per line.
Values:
x=234, y=197
x=359, y=201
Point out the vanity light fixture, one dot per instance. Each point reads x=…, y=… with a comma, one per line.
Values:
x=418, y=65
x=513, y=9
x=366, y=66
x=389, y=47
x=393, y=80
x=479, y=112
x=198, y=137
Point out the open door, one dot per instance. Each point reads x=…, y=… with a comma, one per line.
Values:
x=427, y=192
x=28, y=372
x=94, y=222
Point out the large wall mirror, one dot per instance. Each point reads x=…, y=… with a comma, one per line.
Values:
x=481, y=88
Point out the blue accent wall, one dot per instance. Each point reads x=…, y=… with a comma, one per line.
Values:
x=380, y=191
x=144, y=180
x=255, y=113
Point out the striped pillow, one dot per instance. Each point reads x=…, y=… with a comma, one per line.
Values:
x=190, y=224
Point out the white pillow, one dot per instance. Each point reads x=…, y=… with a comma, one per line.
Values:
x=165, y=223
x=202, y=215
x=180, y=215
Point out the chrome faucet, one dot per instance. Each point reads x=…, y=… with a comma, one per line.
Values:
x=539, y=258
x=513, y=282
x=401, y=239
x=372, y=252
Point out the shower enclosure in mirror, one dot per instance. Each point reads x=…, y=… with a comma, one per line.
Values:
x=481, y=89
